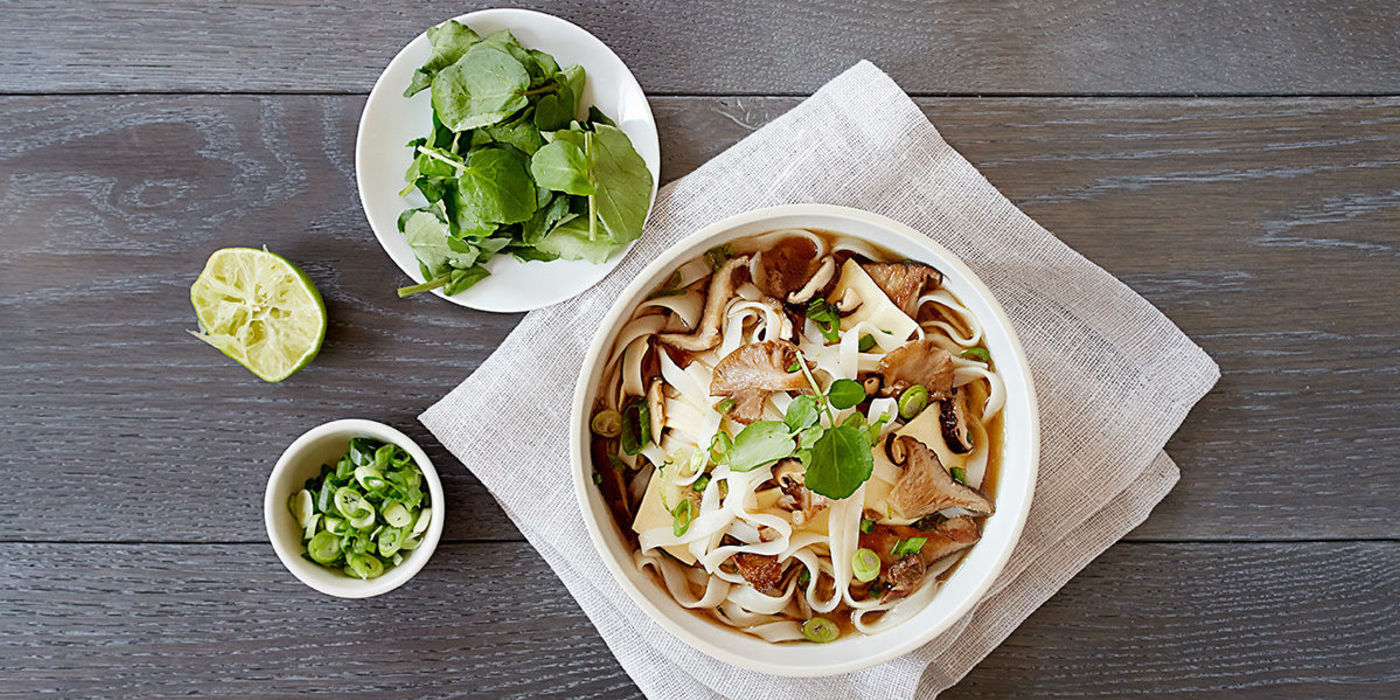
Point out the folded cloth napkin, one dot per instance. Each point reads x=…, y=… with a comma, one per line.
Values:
x=1114, y=379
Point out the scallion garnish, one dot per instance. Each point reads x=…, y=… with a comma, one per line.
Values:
x=867, y=525
x=866, y=565
x=904, y=548
x=978, y=353
x=680, y=518
x=358, y=515
x=820, y=630
x=867, y=342
x=725, y=405
x=959, y=474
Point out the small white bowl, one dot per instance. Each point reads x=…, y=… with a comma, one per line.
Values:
x=302, y=460
x=973, y=576
x=390, y=120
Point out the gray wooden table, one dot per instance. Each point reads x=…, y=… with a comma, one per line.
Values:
x=1237, y=162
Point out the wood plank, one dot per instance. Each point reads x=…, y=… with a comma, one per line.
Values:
x=966, y=47
x=1265, y=228
x=115, y=620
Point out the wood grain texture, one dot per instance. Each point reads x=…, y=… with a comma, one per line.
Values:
x=1268, y=229
x=491, y=620
x=962, y=47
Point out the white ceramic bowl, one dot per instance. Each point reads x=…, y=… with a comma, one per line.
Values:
x=971, y=579
x=302, y=460
x=390, y=120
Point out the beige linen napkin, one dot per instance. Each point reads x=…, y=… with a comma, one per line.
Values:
x=1114, y=379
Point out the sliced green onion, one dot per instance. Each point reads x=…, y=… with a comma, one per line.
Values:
x=398, y=558
x=410, y=544
x=363, y=519
x=606, y=423
x=335, y=526
x=351, y=504
x=389, y=541
x=913, y=401
x=867, y=525
x=383, y=455
x=720, y=445
x=400, y=458
x=364, y=566
x=680, y=518
x=309, y=529
x=866, y=564
x=794, y=367
x=904, y=548
x=978, y=353
x=805, y=577
x=396, y=514
x=725, y=405
x=867, y=342
x=324, y=548
x=959, y=474
x=301, y=506
x=424, y=518
x=364, y=475
x=701, y=484
x=362, y=451
x=820, y=630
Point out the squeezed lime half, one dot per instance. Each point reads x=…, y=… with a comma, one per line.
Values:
x=259, y=309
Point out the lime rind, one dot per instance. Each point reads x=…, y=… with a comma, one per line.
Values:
x=260, y=309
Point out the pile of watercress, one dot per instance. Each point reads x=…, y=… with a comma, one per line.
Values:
x=837, y=458
x=508, y=168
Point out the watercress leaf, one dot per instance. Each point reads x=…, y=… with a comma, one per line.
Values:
x=494, y=188
x=450, y=40
x=573, y=78
x=623, y=183
x=554, y=111
x=845, y=393
x=562, y=166
x=485, y=86
x=802, y=413
x=759, y=444
x=529, y=254
x=545, y=61
x=569, y=240
x=505, y=41
x=840, y=462
x=596, y=116
x=808, y=437
x=434, y=248
x=519, y=131
x=462, y=279
x=544, y=220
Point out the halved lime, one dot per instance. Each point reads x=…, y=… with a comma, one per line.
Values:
x=261, y=310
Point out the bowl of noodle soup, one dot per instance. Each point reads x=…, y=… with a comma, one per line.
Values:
x=805, y=440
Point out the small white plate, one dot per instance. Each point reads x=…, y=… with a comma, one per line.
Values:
x=390, y=120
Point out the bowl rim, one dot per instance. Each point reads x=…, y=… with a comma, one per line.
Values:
x=516, y=17
x=606, y=328
x=346, y=587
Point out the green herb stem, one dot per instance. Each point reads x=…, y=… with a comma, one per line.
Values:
x=424, y=287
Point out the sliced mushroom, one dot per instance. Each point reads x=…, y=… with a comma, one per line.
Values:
x=753, y=372
x=919, y=362
x=927, y=487
x=796, y=497
x=707, y=335
x=786, y=266
x=819, y=280
x=904, y=282
x=764, y=571
x=656, y=407
x=949, y=536
x=952, y=417
x=904, y=577
x=848, y=303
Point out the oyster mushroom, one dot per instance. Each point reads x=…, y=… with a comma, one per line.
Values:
x=753, y=372
x=904, y=577
x=763, y=571
x=927, y=487
x=904, y=282
x=948, y=537
x=707, y=334
x=818, y=281
x=656, y=407
x=796, y=497
x=848, y=303
x=918, y=362
x=786, y=266
x=952, y=418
